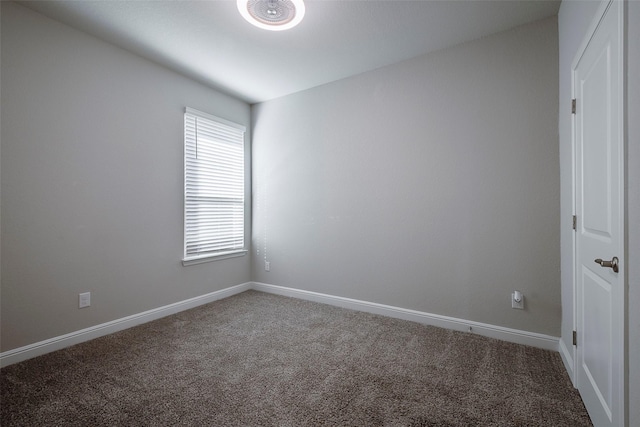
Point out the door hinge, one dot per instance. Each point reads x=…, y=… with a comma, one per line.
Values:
x=575, y=338
x=573, y=106
x=575, y=222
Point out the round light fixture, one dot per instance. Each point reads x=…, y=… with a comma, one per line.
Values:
x=273, y=15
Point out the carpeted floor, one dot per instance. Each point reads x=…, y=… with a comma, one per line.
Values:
x=263, y=360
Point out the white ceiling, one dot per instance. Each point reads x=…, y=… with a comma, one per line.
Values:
x=209, y=41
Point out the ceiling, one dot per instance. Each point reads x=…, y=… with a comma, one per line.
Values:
x=210, y=42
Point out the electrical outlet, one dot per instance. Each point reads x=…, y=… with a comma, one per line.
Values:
x=84, y=300
x=267, y=266
x=517, y=300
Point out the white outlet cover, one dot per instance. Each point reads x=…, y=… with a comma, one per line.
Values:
x=84, y=300
x=516, y=304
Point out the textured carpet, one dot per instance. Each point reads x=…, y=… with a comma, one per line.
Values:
x=263, y=360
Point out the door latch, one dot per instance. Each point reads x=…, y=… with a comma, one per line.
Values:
x=613, y=264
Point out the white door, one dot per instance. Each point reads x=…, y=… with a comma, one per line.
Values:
x=598, y=133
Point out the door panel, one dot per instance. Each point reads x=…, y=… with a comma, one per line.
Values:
x=598, y=137
x=597, y=337
x=596, y=145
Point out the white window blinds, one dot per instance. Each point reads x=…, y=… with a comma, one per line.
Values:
x=214, y=177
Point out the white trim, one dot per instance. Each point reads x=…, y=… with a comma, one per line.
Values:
x=47, y=346
x=533, y=339
x=570, y=356
x=213, y=257
x=568, y=360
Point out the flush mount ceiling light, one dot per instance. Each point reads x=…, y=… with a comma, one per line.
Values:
x=274, y=15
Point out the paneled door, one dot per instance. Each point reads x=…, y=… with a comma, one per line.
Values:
x=598, y=137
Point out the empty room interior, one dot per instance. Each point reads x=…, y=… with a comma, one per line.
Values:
x=415, y=186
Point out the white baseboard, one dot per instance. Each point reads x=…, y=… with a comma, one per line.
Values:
x=506, y=334
x=533, y=339
x=33, y=350
x=568, y=360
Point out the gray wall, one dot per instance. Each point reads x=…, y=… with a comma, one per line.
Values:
x=92, y=181
x=432, y=184
x=574, y=19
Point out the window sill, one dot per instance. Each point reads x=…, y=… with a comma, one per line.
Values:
x=216, y=257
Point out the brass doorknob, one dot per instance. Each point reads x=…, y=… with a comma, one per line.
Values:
x=613, y=264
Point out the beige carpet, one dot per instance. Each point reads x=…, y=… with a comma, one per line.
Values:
x=262, y=360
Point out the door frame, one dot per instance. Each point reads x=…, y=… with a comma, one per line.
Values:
x=599, y=15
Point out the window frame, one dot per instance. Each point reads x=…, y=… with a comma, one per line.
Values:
x=191, y=259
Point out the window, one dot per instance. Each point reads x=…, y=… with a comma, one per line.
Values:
x=214, y=175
